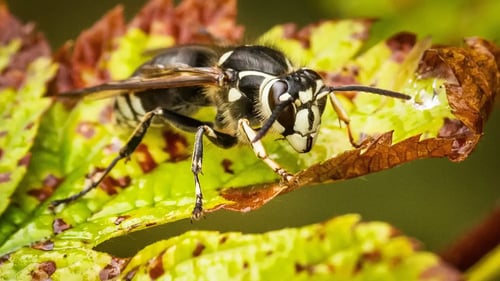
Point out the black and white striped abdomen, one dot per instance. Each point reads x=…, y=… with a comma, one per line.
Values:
x=130, y=108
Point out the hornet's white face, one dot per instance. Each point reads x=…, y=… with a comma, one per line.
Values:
x=300, y=119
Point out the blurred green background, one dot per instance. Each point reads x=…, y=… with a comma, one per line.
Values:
x=433, y=200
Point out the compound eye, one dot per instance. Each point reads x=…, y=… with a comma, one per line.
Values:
x=277, y=89
x=287, y=116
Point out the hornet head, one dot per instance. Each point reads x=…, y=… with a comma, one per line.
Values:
x=293, y=105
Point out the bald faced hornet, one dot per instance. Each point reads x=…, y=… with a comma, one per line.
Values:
x=253, y=88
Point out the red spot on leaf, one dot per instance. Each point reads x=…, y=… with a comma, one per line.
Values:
x=44, y=271
x=155, y=267
x=106, y=115
x=5, y=177
x=46, y=245
x=113, y=147
x=198, y=250
x=86, y=129
x=300, y=268
x=223, y=240
x=303, y=35
x=145, y=159
x=400, y=45
x=59, y=225
x=4, y=258
x=364, y=34
x=3, y=133
x=120, y=219
x=50, y=183
x=373, y=257
x=346, y=76
x=29, y=126
x=176, y=146
x=109, y=184
x=24, y=161
x=113, y=269
x=226, y=165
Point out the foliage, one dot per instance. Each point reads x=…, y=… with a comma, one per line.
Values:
x=453, y=89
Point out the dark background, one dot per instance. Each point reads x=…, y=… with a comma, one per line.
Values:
x=433, y=200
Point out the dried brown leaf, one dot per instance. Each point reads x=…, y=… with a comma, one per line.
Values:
x=476, y=72
x=193, y=21
x=33, y=45
x=86, y=57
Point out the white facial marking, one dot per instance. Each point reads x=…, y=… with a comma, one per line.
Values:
x=298, y=142
x=234, y=95
x=319, y=84
x=302, y=122
x=305, y=96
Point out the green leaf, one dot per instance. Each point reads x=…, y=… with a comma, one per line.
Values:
x=21, y=111
x=340, y=249
x=43, y=263
x=486, y=268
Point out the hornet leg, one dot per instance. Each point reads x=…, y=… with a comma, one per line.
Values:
x=260, y=151
x=125, y=152
x=218, y=138
x=344, y=117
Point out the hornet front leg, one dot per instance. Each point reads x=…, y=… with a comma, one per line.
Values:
x=260, y=151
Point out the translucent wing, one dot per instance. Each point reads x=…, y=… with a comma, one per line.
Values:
x=154, y=77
